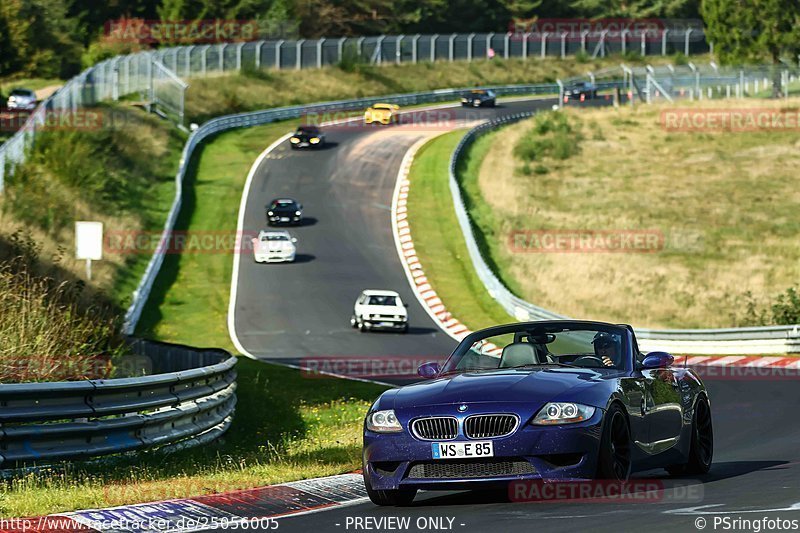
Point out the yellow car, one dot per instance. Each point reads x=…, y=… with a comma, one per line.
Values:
x=381, y=113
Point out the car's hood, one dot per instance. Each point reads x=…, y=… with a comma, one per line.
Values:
x=384, y=310
x=379, y=112
x=274, y=246
x=503, y=386
x=284, y=210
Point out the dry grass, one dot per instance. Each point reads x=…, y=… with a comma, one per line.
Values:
x=724, y=202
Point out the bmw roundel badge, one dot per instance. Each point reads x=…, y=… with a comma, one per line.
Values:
x=462, y=408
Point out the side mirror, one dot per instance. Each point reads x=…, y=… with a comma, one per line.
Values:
x=657, y=360
x=429, y=370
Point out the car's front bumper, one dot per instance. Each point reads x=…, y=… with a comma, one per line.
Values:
x=18, y=106
x=385, y=324
x=277, y=219
x=553, y=452
x=274, y=258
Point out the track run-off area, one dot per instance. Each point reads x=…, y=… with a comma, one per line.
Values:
x=290, y=312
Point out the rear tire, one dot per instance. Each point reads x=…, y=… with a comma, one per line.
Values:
x=701, y=448
x=614, y=457
x=393, y=498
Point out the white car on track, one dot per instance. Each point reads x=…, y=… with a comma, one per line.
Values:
x=378, y=309
x=274, y=247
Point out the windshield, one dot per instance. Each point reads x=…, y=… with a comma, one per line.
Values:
x=275, y=238
x=307, y=130
x=282, y=204
x=382, y=106
x=22, y=92
x=527, y=345
x=382, y=300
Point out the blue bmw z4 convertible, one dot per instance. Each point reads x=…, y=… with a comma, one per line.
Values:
x=561, y=400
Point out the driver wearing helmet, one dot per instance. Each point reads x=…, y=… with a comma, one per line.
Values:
x=607, y=349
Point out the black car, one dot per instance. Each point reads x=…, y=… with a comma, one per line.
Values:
x=284, y=211
x=307, y=137
x=580, y=89
x=479, y=98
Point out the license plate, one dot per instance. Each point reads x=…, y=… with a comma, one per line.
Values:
x=387, y=323
x=284, y=219
x=457, y=450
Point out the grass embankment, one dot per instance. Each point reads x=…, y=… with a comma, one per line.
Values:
x=260, y=89
x=724, y=204
x=437, y=237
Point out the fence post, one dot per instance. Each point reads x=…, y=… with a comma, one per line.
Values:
x=686, y=41
x=299, y=54
x=320, y=42
x=398, y=49
x=543, y=51
x=584, y=33
x=505, y=45
x=188, y=70
x=278, y=47
x=378, y=55
x=563, y=45
x=414, y=41
x=239, y=57
x=360, y=46
x=560, y=93
x=664, y=41
x=222, y=57
x=470, y=38
x=434, y=37
x=450, y=47
x=257, y=56
x=488, y=42
x=340, y=48
x=624, y=35
x=204, y=60
x=644, y=43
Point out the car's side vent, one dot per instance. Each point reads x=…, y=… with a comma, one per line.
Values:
x=435, y=428
x=490, y=426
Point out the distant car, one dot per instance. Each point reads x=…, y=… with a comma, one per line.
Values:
x=582, y=88
x=274, y=247
x=379, y=309
x=382, y=113
x=307, y=137
x=284, y=211
x=479, y=98
x=22, y=100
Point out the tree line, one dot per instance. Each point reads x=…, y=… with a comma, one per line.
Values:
x=57, y=38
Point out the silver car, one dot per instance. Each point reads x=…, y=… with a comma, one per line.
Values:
x=22, y=100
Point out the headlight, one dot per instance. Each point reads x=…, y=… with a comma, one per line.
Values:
x=294, y=140
x=298, y=213
x=314, y=140
x=383, y=422
x=270, y=213
x=465, y=100
x=12, y=98
x=562, y=413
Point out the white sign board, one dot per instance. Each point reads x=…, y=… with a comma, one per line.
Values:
x=89, y=240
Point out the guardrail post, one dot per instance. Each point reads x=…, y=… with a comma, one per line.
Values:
x=299, y=54
x=398, y=53
x=664, y=42
x=686, y=41
x=414, y=43
x=564, y=45
x=434, y=37
x=278, y=47
x=470, y=38
x=320, y=41
x=450, y=45
x=543, y=51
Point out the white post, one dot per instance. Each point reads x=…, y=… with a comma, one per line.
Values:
x=278, y=47
x=470, y=38
x=204, y=60
x=257, y=58
x=414, y=41
x=360, y=46
x=188, y=71
x=644, y=43
x=379, y=49
x=686, y=42
x=222, y=57
x=543, y=51
x=450, y=46
x=398, y=54
x=433, y=47
x=584, y=33
x=340, y=48
x=298, y=55
x=525, y=37
x=488, y=42
x=320, y=42
x=564, y=45
x=664, y=42
x=505, y=45
x=239, y=57
x=624, y=35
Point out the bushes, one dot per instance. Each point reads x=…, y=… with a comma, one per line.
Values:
x=553, y=135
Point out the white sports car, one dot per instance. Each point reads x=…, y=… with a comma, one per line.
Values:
x=379, y=310
x=274, y=247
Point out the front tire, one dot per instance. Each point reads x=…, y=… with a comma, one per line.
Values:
x=614, y=457
x=701, y=448
x=394, y=498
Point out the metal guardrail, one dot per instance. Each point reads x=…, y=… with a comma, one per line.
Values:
x=768, y=339
x=217, y=125
x=189, y=400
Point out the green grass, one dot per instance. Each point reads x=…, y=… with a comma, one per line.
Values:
x=438, y=241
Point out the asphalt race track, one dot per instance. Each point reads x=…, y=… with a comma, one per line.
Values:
x=292, y=311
